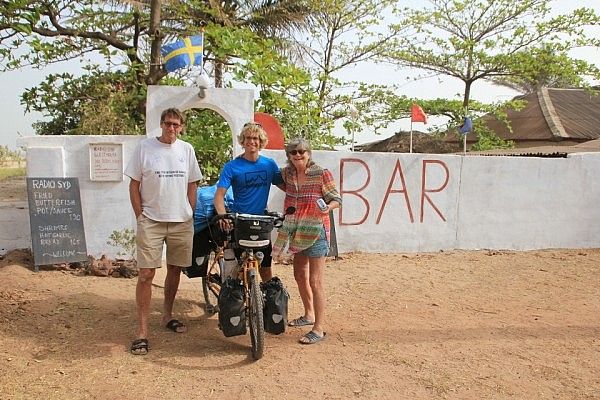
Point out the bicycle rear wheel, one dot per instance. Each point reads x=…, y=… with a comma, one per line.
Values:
x=255, y=315
x=211, y=284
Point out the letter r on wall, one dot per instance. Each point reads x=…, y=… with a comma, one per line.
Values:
x=424, y=191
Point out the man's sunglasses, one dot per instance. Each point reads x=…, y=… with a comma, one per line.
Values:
x=172, y=124
x=294, y=152
x=247, y=124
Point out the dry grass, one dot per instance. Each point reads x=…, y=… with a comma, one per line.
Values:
x=6, y=173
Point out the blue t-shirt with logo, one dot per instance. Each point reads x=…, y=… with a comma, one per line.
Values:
x=251, y=182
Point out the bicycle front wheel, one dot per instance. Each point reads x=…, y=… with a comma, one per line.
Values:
x=255, y=316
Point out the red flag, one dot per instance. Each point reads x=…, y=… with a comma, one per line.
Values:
x=417, y=114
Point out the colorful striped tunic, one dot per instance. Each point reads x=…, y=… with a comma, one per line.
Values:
x=302, y=229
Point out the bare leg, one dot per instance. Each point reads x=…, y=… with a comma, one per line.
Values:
x=265, y=274
x=301, y=274
x=143, y=297
x=316, y=268
x=171, y=286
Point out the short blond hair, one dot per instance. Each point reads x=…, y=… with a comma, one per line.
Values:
x=253, y=127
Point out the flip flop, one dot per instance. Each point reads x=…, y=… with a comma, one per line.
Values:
x=176, y=326
x=312, y=337
x=139, y=347
x=300, y=321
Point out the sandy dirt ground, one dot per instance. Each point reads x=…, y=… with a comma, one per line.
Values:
x=449, y=325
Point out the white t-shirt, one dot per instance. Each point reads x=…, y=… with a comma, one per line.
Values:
x=164, y=171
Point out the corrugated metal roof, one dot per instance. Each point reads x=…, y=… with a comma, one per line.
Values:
x=550, y=115
x=542, y=151
x=579, y=112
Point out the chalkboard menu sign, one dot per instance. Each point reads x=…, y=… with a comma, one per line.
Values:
x=56, y=221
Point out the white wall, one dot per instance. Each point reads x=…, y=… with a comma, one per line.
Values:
x=391, y=202
x=487, y=202
x=382, y=194
x=529, y=203
x=434, y=202
x=105, y=205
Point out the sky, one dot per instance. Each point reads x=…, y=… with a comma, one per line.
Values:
x=18, y=123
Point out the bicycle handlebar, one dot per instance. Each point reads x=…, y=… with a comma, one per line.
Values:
x=277, y=216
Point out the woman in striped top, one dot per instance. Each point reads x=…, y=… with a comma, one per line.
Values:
x=306, y=232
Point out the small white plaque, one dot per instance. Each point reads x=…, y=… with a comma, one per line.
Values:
x=106, y=161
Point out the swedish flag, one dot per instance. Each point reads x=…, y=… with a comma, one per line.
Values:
x=183, y=53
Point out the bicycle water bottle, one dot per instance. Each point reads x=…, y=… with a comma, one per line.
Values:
x=229, y=264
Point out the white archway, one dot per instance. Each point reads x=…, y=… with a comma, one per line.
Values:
x=236, y=106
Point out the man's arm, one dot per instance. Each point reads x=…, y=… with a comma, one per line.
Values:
x=192, y=194
x=135, y=196
x=219, y=200
x=278, y=179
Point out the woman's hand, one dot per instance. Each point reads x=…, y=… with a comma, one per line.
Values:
x=331, y=206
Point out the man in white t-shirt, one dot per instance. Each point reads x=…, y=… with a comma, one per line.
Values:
x=164, y=176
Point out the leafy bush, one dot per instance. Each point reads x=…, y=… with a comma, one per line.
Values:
x=125, y=240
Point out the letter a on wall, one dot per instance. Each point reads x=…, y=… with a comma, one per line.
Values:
x=273, y=129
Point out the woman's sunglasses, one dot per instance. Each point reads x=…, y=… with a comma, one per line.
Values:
x=294, y=152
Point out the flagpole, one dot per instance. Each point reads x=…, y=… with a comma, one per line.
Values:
x=411, y=135
x=465, y=138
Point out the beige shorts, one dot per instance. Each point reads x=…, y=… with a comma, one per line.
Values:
x=151, y=235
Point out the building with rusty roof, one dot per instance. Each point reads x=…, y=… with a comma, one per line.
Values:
x=552, y=117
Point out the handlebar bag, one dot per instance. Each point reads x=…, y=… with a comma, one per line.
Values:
x=232, y=311
x=276, y=306
x=253, y=230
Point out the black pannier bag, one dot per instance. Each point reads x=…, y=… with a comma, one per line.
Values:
x=276, y=306
x=253, y=231
x=197, y=270
x=203, y=243
x=232, y=310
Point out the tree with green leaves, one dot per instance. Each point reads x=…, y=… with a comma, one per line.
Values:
x=474, y=40
x=96, y=103
x=37, y=33
x=40, y=32
x=129, y=34
x=515, y=44
x=547, y=66
x=275, y=20
x=344, y=34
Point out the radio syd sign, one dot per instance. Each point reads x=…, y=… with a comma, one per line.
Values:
x=56, y=221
